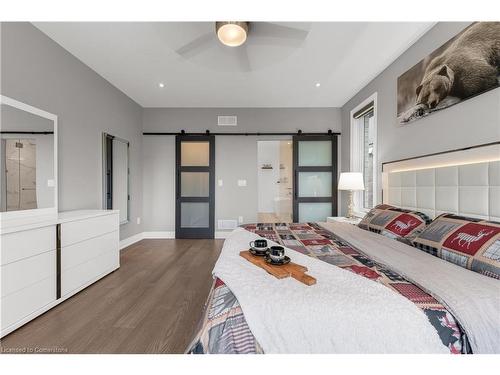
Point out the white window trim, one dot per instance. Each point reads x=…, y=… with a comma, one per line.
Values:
x=356, y=161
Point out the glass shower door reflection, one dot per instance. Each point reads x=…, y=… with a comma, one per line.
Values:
x=20, y=174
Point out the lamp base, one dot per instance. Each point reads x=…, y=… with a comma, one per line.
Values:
x=350, y=206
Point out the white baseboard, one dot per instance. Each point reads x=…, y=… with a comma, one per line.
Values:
x=163, y=234
x=131, y=240
x=159, y=235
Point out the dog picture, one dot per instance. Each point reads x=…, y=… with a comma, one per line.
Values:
x=465, y=66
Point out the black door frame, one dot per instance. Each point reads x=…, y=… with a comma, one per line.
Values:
x=208, y=232
x=296, y=169
x=108, y=171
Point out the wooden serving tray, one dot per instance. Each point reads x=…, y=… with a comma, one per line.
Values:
x=296, y=271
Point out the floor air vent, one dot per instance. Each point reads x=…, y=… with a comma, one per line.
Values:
x=227, y=120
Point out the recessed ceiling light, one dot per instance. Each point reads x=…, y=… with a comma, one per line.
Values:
x=318, y=84
x=161, y=85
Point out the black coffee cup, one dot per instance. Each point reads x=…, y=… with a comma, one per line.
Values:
x=259, y=244
x=277, y=253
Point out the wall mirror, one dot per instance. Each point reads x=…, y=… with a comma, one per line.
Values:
x=28, y=160
x=116, y=175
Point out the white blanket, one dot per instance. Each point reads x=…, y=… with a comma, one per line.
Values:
x=342, y=313
x=472, y=298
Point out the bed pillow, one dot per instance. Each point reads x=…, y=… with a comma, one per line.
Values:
x=394, y=222
x=471, y=243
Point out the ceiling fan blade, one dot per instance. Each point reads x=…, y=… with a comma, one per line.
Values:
x=273, y=30
x=196, y=46
x=281, y=42
x=243, y=60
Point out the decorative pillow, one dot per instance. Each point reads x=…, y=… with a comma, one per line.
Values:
x=394, y=222
x=471, y=243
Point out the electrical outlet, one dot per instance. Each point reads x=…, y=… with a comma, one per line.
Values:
x=240, y=219
x=138, y=220
x=242, y=183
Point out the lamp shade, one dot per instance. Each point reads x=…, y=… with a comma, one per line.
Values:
x=351, y=181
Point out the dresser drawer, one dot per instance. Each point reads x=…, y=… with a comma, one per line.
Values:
x=24, y=302
x=23, y=273
x=81, y=230
x=24, y=244
x=84, y=251
x=75, y=277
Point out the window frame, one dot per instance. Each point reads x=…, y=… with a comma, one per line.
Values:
x=357, y=152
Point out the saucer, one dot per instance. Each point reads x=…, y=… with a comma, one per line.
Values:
x=260, y=253
x=285, y=260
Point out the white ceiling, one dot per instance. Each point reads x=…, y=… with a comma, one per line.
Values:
x=283, y=61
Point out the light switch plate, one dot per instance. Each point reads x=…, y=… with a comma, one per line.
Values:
x=220, y=182
x=242, y=182
x=138, y=220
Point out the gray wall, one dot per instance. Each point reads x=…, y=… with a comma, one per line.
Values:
x=39, y=72
x=249, y=119
x=471, y=122
x=158, y=183
x=235, y=156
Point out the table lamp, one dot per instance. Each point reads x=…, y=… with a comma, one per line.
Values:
x=351, y=181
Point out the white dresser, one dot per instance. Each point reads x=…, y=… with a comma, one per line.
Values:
x=45, y=260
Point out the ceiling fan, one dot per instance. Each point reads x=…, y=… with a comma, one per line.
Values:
x=237, y=38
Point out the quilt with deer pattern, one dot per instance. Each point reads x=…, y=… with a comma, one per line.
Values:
x=224, y=329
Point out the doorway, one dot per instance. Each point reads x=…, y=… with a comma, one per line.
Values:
x=19, y=172
x=275, y=181
x=195, y=186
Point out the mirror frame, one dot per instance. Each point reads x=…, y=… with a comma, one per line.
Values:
x=49, y=116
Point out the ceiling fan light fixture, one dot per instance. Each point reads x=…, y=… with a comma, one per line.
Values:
x=232, y=33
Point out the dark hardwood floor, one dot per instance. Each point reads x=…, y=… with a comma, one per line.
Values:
x=151, y=304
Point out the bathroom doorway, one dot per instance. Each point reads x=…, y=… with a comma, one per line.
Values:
x=275, y=181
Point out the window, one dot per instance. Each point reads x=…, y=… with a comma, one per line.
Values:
x=368, y=139
x=363, y=153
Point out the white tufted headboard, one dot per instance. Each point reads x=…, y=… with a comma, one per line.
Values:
x=464, y=186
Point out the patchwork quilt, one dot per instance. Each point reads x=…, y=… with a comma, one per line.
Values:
x=224, y=329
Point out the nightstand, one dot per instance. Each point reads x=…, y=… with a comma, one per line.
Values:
x=343, y=219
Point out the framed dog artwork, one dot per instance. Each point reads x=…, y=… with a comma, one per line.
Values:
x=465, y=66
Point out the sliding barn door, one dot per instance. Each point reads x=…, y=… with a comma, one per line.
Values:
x=195, y=186
x=315, y=178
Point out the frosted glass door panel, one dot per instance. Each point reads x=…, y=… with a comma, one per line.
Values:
x=195, y=154
x=195, y=184
x=315, y=153
x=315, y=184
x=195, y=215
x=310, y=212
